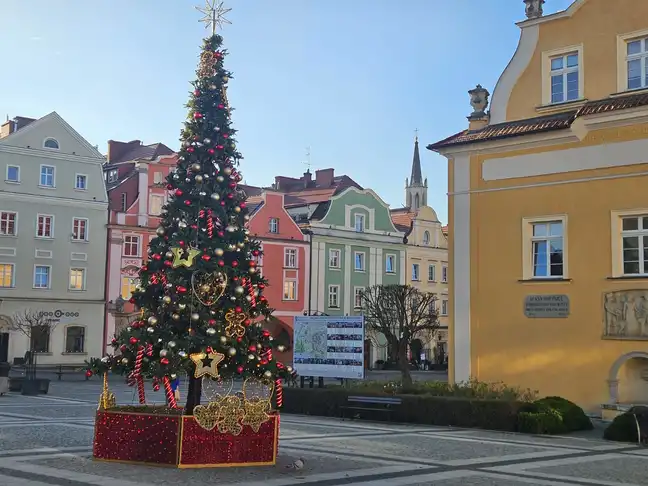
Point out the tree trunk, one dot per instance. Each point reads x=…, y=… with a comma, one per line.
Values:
x=403, y=365
x=193, y=393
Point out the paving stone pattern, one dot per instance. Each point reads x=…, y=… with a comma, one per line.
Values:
x=46, y=440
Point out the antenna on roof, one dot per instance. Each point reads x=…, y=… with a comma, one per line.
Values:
x=308, y=159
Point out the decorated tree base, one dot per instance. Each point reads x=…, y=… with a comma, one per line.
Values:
x=153, y=437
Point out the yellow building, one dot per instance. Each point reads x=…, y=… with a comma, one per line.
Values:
x=427, y=250
x=548, y=211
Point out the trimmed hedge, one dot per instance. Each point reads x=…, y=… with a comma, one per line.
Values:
x=552, y=415
x=419, y=409
x=624, y=427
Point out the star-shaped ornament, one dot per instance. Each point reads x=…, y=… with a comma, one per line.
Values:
x=206, y=364
x=214, y=15
x=184, y=258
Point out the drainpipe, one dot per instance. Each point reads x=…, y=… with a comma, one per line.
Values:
x=310, y=268
x=106, y=284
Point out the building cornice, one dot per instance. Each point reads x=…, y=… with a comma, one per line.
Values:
x=48, y=154
x=53, y=200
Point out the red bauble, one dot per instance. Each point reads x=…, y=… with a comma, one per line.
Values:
x=212, y=322
x=156, y=387
x=235, y=264
x=243, y=205
x=219, y=147
x=261, y=286
x=255, y=253
x=221, y=106
x=169, y=187
x=157, y=256
x=180, y=289
x=225, y=135
x=190, y=150
x=238, y=309
x=218, y=54
x=131, y=300
x=211, y=151
x=178, y=192
x=197, y=92
x=222, y=203
x=239, y=369
x=221, y=263
x=206, y=257
x=133, y=340
x=239, y=339
x=252, y=263
x=181, y=243
x=220, y=234
x=229, y=196
x=252, y=348
x=196, y=138
x=247, y=322
x=198, y=115
x=145, y=267
x=168, y=263
x=187, y=202
x=266, y=333
x=164, y=361
x=88, y=373
x=123, y=348
x=232, y=185
x=209, y=349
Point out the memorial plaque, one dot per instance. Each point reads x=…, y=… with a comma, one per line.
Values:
x=546, y=306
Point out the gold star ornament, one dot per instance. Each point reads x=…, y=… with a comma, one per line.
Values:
x=184, y=258
x=214, y=15
x=206, y=363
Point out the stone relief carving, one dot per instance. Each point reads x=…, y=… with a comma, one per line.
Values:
x=626, y=314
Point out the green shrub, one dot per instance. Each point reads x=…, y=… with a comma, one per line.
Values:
x=545, y=422
x=573, y=416
x=622, y=429
x=543, y=415
x=419, y=409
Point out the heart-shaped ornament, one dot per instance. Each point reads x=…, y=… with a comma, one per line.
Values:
x=208, y=287
x=206, y=416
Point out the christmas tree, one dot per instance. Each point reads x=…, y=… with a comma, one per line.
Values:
x=200, y=296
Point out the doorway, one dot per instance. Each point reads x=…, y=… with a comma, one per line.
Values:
x=4, y=347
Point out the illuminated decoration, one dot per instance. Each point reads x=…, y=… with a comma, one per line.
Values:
x=208, y=287
x=184, y=258
x=235, y=327
x=206, y=363
x=107, y=398
x=207, y=415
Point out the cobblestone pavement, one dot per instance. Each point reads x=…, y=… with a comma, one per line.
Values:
x=46, y=440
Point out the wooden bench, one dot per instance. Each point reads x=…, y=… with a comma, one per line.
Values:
x=371, y=404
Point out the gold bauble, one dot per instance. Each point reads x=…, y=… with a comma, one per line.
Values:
x=175, y=317
x=166, y=299
x=219, y=252
x=231, y=351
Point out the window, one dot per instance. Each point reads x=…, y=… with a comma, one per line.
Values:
x=75, y=339
x=426, y=238
x=334, y=296
x=47, y=176
x=42, y=276
x=51, y=143
x=359, y=261
x=444, y=274
x=131, y=247
x=81, y=182
x=415, y=272
x=637, y=60
x=432, y=273
x=8, y=223
x=634, y=238
x=444, y=307
x=273, y=225
x=112, y=175
x=13, y=173
x=290, y=289
x=290, y=258
x=155, y=204
x=158, y=177
x=44, y=226
x=258, y=259
x=390, y=263
x=124, y=200
x=564, y=78
x=80, y=229
x=128, y=285
x=359, y=223
x=77, y=279
x=6, y=275
x=40, y=338
x=547, y=249
x=357, y=297
x=334, y=258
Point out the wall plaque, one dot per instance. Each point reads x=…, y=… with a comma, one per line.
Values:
x=546, y=306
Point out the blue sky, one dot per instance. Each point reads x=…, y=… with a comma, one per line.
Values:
x=352, y=79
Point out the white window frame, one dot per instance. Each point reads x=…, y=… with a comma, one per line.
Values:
x=13, y=275
x=49, y=277
x=616, y=226
x=547, y=56
x=83, y=279
x=622, y=60
x=138, y=254
x=273, y=226
x=158, y=177
x=47, y=139
x=444, y=307
x=391, y=256
x=15, y=214
x=333, y=294
x=112, y=175
x=426, y=238
x=444, y=274
x=123, y=201
x=416, y=275
x=291, y=258
x=40, y=176
x=286, y=295
x=432, y=273
x=51, y=217
x=87, y=230
x=156, y=197
x=357, y=297
x=12, y=166
x=363, y=261
x=359, y=218
x=527, y=245
x=76, y=182
x=335, y=256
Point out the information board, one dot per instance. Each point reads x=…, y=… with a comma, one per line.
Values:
x=546, y=306
x=329, y=346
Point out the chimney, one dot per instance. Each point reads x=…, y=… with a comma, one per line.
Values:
x=116, y=150
x=324, y=177
x=308, y=178
x=478, y=119
x=7, y=128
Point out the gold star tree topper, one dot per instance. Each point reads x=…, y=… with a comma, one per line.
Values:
x=214, y=15
x=206, y=363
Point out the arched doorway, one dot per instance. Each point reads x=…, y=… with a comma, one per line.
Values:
x=282, y=333
x=5, y=333
x=628, y=379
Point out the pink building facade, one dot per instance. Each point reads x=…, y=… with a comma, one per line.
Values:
x=137, y=192
x=285, y=260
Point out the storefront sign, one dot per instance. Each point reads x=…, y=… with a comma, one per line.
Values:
x=59, y=316
x=546, y=306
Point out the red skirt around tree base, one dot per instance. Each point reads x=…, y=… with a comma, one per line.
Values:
x=178, y=441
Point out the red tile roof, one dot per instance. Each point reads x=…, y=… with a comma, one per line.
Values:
x=445, y=229
x=402, y=219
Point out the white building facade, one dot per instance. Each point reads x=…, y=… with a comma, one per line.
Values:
x=53, y=215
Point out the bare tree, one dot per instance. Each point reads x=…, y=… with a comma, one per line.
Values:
x=36, y=326
x=401, y=313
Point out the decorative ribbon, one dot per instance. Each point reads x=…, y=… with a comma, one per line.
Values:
x=170, y=396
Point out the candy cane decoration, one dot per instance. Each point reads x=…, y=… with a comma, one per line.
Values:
x=137, y=375
x=251, y=292
x=210, y=224
x=169, y=393
x=279, y=388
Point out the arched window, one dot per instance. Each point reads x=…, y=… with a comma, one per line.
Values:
x=426, y=238
x=75, y=339
x=51, y=143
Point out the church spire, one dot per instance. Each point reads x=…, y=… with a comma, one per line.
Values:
x=417, y=178
x=416, y=187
